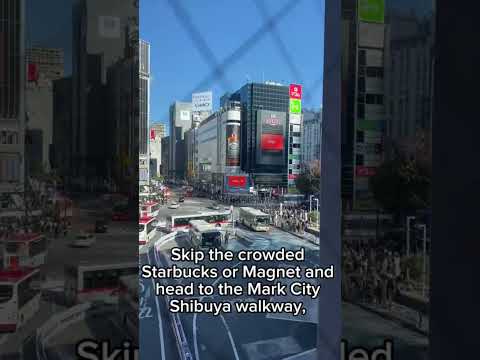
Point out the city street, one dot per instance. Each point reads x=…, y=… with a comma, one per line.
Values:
x=116, y=246
x=260, y=336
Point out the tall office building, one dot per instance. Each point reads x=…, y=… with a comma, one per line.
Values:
x=45, y=66
x=180, y=119
x=12, y=107
x=164, y=166
x=264, y=132
x=144, y=98
x=48, y=62
x=93, y=52
x=386, y=88
x=312, y=136
x=157, y=133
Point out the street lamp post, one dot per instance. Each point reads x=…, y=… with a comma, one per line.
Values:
x=318, y=212
x=311, y=196
x=408, y=234
x=424, y=280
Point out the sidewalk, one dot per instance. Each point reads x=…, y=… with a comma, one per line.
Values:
x=308, y=236
x=403, y=315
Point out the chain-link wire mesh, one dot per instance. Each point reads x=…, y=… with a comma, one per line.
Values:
x=218, y=68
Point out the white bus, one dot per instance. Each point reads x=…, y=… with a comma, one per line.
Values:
x=254, y=219
x=91, y=282
x=149, y=208
x=128, y=304
x=19, y=297
x=147, y=228
x=25, y=250
x=222, y=218
x=203, y=234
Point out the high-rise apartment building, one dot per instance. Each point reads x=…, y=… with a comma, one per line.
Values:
x=12, y=107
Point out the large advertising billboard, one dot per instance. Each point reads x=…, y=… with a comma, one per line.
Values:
x=271, y=128
x=237, y=183
x=202, y=101
x=233, y=145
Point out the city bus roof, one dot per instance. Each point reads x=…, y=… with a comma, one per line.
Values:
x=15, y=275
x=253, y=211
x=200, y=213
x=145, y=220
x=201, y=225
x=26, y=237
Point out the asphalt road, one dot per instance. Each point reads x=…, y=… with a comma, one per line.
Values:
x=260, y=336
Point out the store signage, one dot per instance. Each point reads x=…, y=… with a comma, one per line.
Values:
x=371, y=11
x=295, y=106
x=295, y=91
x=202, y=101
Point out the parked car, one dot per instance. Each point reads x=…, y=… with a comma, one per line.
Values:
x=83, y=240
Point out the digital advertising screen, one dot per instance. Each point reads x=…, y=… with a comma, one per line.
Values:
x=271, y=129
x=232, y=145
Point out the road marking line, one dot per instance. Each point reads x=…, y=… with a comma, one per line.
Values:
x=194, y=323
x=230, y=337
x=160, y=325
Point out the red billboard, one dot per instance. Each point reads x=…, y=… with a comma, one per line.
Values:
x=152, y=134
x=365, y=171
x=295, y=91
x=237, y=181
x=272, y=142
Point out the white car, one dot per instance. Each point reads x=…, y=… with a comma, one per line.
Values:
x=83, y=240
x=173, y=205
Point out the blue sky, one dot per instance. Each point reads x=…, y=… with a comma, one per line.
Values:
x=178, y=67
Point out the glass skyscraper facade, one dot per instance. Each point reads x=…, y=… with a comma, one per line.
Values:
x=255, y=97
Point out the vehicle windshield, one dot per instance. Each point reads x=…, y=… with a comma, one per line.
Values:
x=263, y=220
x=141, y=228
x=211, y=237
x=6, y=293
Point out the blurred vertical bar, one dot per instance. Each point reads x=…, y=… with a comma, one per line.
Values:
x=330, y=321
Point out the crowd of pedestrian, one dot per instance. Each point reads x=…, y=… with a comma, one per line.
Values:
x=48, y=226
x=370, y=273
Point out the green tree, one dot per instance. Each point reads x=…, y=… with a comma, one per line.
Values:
x=309, y=181
x=401, y=185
